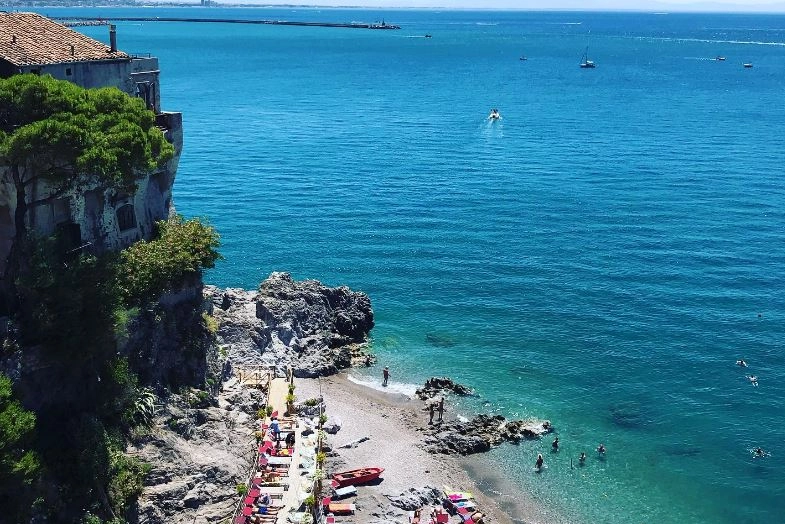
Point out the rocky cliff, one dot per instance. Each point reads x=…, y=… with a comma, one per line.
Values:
x=315, y=329
x=198, y=453
x=170, y=345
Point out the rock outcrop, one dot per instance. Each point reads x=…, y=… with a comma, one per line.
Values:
x=415, y=498
x=436, y=386
x=314, y=329
x=480, y=434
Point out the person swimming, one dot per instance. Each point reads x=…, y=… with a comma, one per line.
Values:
x=759, y=452
x=741, y=363
x=582, y=458
x=601, y=449
x=753, y=380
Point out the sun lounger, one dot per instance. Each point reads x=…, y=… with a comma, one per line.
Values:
x=240, y=519
x=272, y=490
x=442, y=518
x=329, y=520
x=279, y=461
x=341, y=509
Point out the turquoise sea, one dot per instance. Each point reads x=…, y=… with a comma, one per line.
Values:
x=599, y=257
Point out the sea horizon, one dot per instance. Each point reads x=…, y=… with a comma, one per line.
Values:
x=600, y=256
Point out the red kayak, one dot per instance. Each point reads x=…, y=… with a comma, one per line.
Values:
x=357, y=476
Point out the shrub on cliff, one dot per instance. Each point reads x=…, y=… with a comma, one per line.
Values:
x=183, y=249
x=19, y=465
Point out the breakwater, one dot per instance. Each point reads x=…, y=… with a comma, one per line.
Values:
x=83, y=21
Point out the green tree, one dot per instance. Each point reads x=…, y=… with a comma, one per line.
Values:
x=56, y=137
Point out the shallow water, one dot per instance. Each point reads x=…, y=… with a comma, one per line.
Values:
x=600, y=257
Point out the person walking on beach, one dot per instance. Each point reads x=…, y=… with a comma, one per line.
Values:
x=430, y=412
x=386, y=375
x=441, y=408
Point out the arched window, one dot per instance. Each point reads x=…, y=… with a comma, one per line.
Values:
x=126, y=217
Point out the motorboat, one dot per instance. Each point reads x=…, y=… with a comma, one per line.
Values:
x=747, y=65
x=720, y=58
x=494, y=115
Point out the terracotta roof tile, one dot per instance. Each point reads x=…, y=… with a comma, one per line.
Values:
x=32, y=39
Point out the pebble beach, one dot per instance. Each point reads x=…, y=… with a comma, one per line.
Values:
x=393, y=424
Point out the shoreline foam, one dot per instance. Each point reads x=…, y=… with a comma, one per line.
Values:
x=394, y=422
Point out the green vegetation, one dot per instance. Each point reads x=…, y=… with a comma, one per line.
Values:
x=210, y=322
x=181, y=251
x=242, y=488
x=19, y=465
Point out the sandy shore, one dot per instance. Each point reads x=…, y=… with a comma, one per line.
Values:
x=394, y=425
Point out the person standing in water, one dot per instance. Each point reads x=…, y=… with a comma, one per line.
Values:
x=555, y=445
x=386, y=375
x=539, y=462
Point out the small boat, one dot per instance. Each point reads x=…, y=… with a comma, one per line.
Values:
x=585, y=62
x=428, y=36
x=720, y=58
x=523, y=58
x=747, y=65
x=357, y=476
x=494, y=115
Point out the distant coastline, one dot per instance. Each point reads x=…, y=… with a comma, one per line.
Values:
x=656, y=8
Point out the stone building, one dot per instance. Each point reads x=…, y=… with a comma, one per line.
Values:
x=97, y=218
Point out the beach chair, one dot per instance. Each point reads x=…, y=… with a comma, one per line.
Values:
x=326, y=502
x=240, y=519
x=329, y=520
x=442, y=518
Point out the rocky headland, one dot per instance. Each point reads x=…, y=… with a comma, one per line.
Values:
x=314, y=329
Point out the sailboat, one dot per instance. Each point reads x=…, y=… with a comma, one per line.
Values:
x=585, y=62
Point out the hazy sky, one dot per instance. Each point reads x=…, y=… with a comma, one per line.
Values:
x=658, y=5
